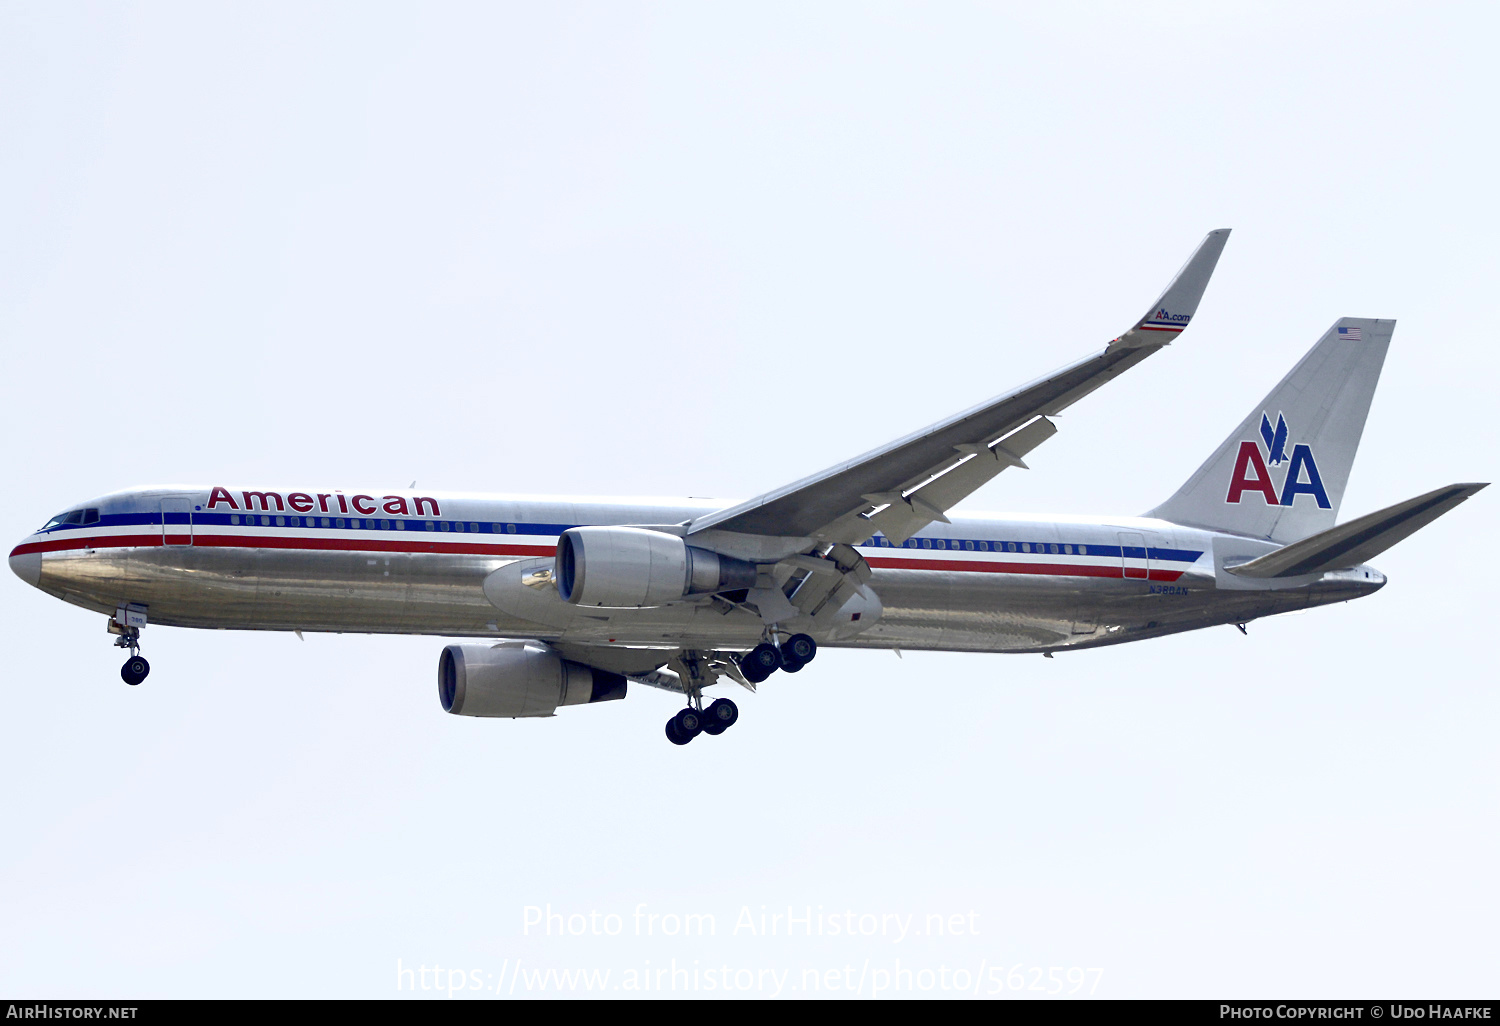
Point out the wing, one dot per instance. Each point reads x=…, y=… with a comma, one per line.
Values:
x=898, y=489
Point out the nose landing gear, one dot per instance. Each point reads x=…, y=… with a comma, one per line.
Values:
x=126, y=624
x=134, y=671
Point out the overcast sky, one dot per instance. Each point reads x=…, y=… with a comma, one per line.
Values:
x=701, y=249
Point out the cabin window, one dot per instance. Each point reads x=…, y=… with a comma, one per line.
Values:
x=234, y=518
x=326, y=522
x=281, y=521
x=430, y=525
x=400, y=525
x=969, y=545
x=510, y=528
x=355, y=522
x=926, y=543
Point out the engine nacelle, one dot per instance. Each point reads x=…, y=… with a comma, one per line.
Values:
x=518, y=679
x=634, y=568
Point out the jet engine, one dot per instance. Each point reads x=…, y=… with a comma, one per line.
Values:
x=518, y=678
x=634, y=568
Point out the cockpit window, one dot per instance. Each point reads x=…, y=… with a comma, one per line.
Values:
x=75, y=517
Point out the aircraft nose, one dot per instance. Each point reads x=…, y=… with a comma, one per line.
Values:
x=27, y=566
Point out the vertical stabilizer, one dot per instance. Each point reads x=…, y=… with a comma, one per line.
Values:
x=1281, y=474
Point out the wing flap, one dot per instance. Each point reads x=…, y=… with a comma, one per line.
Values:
x=900, y=514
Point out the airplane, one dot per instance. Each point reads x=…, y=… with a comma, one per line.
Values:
x=566, y=601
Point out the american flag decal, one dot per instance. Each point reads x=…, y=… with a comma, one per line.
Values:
x=1352, y=334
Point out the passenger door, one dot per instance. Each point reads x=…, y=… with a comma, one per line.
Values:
x=1135, y=560
x=177, y=521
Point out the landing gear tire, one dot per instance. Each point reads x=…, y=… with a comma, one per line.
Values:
x=134, y=671
x=801, y=647
x=761, y=661
x=789, y=662
x=687, y=724
x=720, y=715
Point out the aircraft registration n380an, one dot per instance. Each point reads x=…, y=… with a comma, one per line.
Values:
x=576, y=597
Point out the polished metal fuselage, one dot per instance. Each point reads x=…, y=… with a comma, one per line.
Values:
x=964, y=586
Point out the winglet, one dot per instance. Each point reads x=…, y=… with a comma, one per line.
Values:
x=1172, y=312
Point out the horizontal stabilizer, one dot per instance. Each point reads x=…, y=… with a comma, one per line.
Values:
x=1359, y=540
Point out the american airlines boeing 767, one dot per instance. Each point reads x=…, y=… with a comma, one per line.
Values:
x=567, y=600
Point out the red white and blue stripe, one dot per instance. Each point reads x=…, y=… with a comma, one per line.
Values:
x=516, y=541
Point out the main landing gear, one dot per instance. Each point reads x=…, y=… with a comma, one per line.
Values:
x=127, y=623
x=767, y=657
x=718, y=717
x=696, y=672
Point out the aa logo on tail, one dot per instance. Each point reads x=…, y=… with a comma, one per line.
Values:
x=1252, y=473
